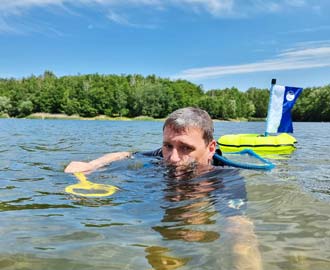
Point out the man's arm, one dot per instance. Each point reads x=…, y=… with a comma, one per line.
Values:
x=245, y=244
x=78, y=166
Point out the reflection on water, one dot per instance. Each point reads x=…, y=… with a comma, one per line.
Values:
x=188, y=203
x=154, y=222
x=159, y=260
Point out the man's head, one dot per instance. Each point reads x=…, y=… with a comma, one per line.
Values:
x=188, y=137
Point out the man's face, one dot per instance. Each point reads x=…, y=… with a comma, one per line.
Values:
x=186, y=147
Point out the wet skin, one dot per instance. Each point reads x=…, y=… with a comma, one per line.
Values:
x=186, y=148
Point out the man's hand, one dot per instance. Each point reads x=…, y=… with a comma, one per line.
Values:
x=78, y=166
x=88, y=167
x=245, y=249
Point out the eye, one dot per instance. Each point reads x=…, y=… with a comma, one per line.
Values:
x=167, y=146
x=186, y=148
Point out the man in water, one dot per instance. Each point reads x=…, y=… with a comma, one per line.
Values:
x=188, y=145
x=187, y=139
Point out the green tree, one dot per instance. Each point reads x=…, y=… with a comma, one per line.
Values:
x=260, y=100
x=134, y=95
x=5, y=105
x=25, y=108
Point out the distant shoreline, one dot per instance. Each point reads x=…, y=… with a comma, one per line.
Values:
x=60, y=116
x=98, y=117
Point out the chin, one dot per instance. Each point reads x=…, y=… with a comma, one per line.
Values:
x=186, y=170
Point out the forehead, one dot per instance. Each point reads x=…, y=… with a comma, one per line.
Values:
x=184, y=134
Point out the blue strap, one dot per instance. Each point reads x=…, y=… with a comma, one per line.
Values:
x=266, y=167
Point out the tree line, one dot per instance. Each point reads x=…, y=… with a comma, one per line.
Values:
x=135, y=95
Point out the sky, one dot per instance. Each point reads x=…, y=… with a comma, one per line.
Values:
x=212, y=43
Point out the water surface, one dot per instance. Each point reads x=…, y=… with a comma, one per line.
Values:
x=149, y=221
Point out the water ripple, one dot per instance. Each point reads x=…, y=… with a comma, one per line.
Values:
x=153, y=220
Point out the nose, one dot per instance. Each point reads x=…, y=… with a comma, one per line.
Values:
x=174, y=156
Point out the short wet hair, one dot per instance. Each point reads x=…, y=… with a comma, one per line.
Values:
x=184, y=118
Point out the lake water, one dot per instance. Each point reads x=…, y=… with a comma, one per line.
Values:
x=143, y=225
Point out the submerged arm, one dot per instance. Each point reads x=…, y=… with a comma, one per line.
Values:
x=79, y=166
x=245, y=244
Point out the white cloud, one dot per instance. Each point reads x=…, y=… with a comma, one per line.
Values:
x=8, y=7
x=214, y=7
x=118, y=18
x=289, y=60
x=13, y=10
x=122, y=20
x=14, y=17
x=15, y=13
x=309, y=29
x=5, y=27
x=313, y=44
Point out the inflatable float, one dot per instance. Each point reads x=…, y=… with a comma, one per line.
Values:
x=279, y=123
x=261, y=144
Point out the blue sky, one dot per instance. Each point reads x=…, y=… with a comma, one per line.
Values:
x=214, y=43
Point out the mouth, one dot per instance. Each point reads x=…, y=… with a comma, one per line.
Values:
x=181, y=171
x=186, y=170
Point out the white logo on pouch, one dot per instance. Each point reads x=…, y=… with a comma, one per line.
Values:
x=236, y=203
x=290, y=96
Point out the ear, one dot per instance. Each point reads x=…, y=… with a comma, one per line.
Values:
x=212, y=147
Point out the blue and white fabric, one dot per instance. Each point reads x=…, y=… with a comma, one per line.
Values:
x=282, y=99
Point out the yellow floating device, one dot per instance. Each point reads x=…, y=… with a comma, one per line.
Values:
x=89, y=189
x=271, y=144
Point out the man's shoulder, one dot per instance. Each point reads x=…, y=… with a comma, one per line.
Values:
x=154, y=153
x=217, y=162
